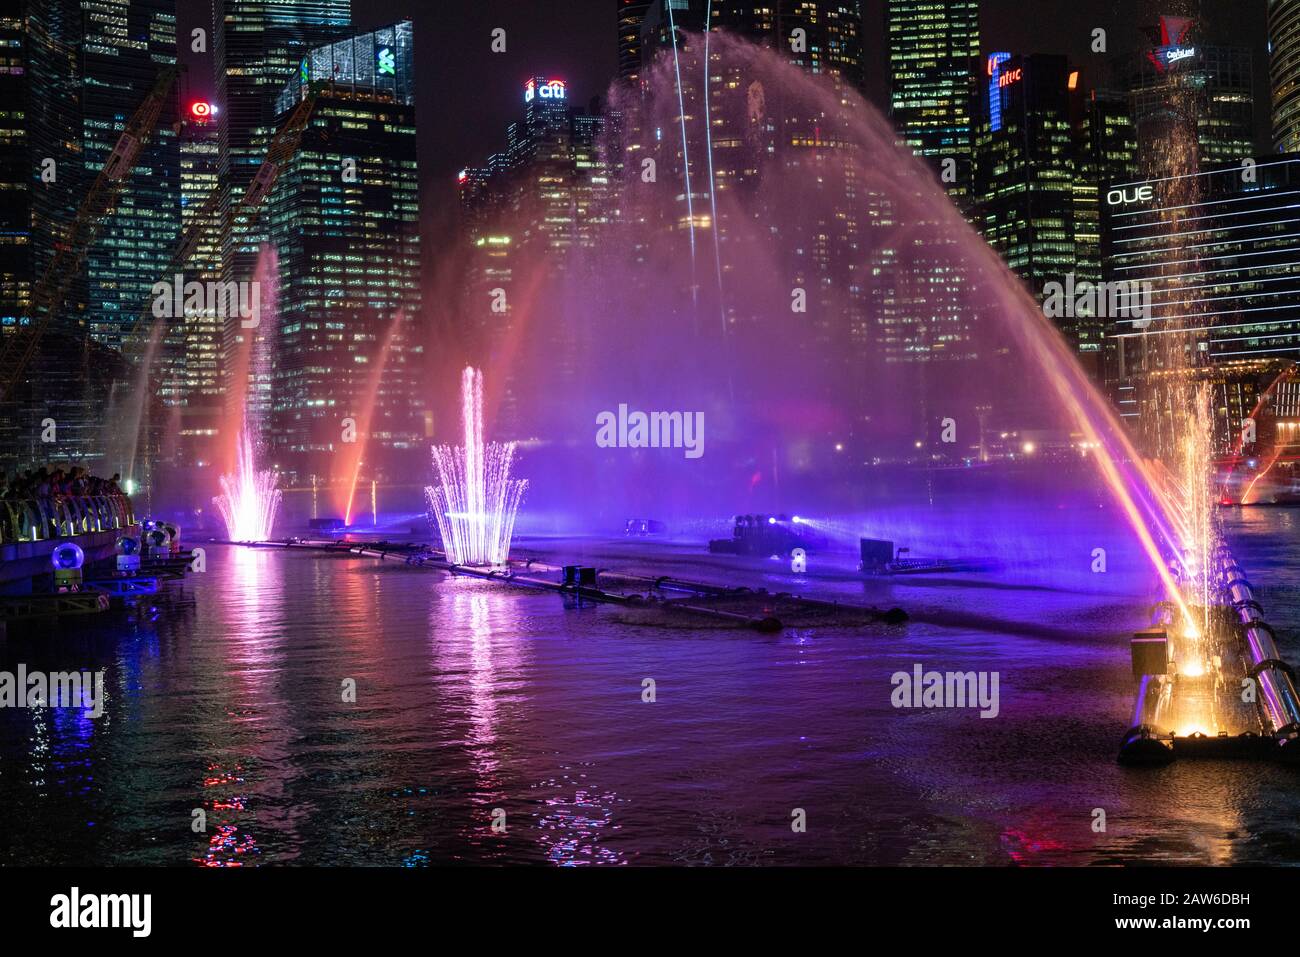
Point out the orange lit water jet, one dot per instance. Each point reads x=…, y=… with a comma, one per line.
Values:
x=353, y=456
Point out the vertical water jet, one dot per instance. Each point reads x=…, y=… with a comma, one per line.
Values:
x=474, y=505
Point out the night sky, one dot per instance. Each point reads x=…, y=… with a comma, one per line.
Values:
x=468, y=94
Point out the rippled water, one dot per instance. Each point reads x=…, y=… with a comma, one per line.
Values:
x=472, y=697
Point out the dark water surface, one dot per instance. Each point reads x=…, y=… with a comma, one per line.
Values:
x=473, y=697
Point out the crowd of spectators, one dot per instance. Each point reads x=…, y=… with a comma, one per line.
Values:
x=49, y=486
x=58, y=482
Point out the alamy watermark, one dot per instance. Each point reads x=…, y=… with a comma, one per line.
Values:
x=173, y=299
x=74, y=910
x=651, y=430
x=57, y=689
x=1128, y=299
x=952, y=689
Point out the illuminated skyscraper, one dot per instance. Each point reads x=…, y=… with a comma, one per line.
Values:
x=1105, y=152
x=933, y=48
x=1284, y=71
x=40, y=100
x=76, y=72
x=740, y=145
x=523, y=214
x=198, y=387
x=1025, y=167
x=631, y=17
x=16, y=265
x=1178, y=84
x=122, y=49
x=264, y=44
x=1224, y=268
x=831, y=38
x=344, y=219
x=1218, y=255
x=923, y=288
x=1047, y=148
x=823, y=37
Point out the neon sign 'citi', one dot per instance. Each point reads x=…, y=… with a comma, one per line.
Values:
x=551, y=90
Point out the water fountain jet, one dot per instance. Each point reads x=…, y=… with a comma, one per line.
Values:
x=475, y=503
x=249, y=498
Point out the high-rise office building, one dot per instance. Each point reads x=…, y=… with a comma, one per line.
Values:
x=197, y=389
x=923, y=313
x=344, y=218
x=821, y=36
x=524, y=214
x=1221, y=269
x=123, y=47
x=264, y=45
x=76, y=72
x=829, y=41
x=1105, y=152
x=884, y=287
x=263, y=48
x=15, y=195
x=37, y=53
x=1178, y=84
x=739, y=130
x=932, y=47
x=40, y=97
x=1284, y=72
x=1047, y=147
x=1031, y=182
x=1025, y=170
x=631, y=17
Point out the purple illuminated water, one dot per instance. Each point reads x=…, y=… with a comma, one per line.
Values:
x=473, y=697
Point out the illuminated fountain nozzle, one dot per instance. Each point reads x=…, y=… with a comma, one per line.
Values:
x=249, y=498
x=474, y=504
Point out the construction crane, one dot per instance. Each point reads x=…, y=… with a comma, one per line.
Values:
x=282, y=148
x=70, y=254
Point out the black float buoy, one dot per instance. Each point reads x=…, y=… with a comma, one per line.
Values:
x=1142, y=747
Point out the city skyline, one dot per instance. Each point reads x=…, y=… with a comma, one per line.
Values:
x=196, y=359
x=579, y=41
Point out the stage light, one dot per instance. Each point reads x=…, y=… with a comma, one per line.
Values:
x=68, y=556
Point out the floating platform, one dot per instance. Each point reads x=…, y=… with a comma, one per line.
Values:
x=52, y=605
x=878, y=557
x=125, y=587
x=664, y=601
x=1146, y=749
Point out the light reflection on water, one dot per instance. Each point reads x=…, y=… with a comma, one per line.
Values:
x=473, y=697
